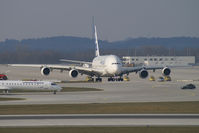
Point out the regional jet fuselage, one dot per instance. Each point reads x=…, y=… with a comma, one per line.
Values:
x=7, y=85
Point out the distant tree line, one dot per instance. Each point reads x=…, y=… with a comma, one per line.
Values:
x=24, y=55
x=50, y=50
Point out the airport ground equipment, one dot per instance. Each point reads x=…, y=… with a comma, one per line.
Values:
x=3, y=77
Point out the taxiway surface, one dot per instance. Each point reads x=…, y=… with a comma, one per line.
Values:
x=136, y=90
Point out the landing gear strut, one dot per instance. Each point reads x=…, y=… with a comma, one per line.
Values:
x=5, y=92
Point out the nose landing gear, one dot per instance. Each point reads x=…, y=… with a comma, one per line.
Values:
x=5, y=92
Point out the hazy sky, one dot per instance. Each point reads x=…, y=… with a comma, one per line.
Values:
x=115, y=19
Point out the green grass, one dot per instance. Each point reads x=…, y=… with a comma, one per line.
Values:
x=10, y=99
x=64, y=89
x=103, y=108
x=151, y=129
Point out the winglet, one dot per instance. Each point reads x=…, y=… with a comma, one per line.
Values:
x=96, y=44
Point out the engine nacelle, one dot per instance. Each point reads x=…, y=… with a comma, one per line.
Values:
x=73, y=73
x=166, y=71
x=143, y=73
x=45, y=71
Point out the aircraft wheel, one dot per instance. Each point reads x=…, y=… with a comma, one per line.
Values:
x=110, y=79
x=98, y=79
x=92, y=79
x=5, y=77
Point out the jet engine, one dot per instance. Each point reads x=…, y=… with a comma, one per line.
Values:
x=45, y=71
x=143, y=73
x=166, y=71
x=73, y=73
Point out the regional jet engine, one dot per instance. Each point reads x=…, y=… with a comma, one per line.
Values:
x=73, y=73
x=166, y=71
x=143, y=73
x=45, y=71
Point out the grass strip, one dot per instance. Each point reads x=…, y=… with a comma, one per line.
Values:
x=10, y=99
x=146, y=129
x=64, y=89
x=103, y=108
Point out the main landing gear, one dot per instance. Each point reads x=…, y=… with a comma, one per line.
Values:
x=91, y=79
x=115, y=79
x=110, y=79
x=98, y=79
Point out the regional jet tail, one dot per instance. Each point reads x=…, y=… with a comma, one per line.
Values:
x=7, y=85
x=102, y=66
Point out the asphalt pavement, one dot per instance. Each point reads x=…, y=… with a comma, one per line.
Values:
x=100, y=120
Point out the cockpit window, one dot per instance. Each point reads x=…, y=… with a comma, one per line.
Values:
x=53, y=84
x=115, y=63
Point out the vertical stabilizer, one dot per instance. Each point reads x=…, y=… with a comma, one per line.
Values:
x=93, y=28
x=96, y=44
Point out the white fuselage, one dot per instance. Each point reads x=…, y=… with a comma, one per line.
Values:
x=28, y=85
x=110, y=65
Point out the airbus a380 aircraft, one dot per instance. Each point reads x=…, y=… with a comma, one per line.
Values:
x=7, y=85
x=102, y=66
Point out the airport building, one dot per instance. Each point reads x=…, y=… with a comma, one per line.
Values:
x=159, y=60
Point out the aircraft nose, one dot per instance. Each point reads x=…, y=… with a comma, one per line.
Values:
x=59, y=88
x=116, y=69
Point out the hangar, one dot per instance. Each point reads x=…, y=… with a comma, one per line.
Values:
x=159, y=60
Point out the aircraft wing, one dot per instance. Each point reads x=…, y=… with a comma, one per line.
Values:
x=82, y=70
x=61, y=67
x=75, y=61
x=126, y=70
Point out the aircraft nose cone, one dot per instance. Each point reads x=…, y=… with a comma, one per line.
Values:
x=59, y=88
x=115, y=70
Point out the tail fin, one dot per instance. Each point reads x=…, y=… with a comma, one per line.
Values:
x=96, y=44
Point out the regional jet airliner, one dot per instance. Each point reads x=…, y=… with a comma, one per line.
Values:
x=7, y=85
